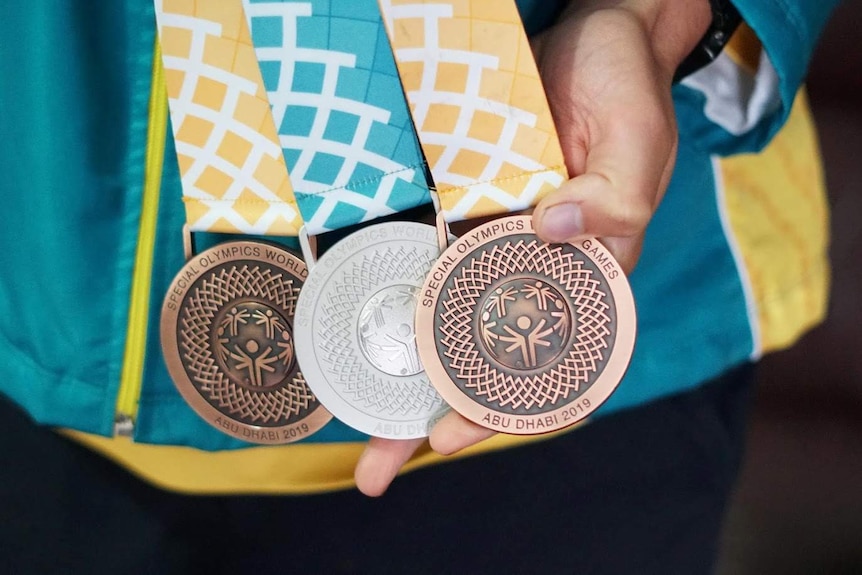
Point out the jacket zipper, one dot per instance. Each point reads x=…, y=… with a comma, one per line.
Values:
x=139, y=306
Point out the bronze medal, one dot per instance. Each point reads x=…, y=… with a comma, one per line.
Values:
x=522, y=336
x=229, y=345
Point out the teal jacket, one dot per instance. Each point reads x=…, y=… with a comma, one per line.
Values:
x=75, y=82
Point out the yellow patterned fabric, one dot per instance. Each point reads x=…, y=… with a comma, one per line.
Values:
x=477, y=102
x=233, y=171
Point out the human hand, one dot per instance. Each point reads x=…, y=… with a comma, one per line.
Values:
x=607, y=66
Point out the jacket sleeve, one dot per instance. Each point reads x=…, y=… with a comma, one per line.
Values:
x=739, y=101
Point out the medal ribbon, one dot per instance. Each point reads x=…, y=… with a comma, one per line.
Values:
x=342, y=119
x=477, y=102
x=232, y=168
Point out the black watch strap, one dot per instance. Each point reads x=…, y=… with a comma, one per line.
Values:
x=725, y=20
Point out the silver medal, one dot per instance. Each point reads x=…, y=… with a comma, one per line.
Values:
x=355, y=334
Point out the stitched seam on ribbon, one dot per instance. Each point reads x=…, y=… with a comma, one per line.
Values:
x=366, y=181
x=559, y=170
x=245, y=202
x=354, y=184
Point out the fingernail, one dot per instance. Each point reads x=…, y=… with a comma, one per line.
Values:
x=562, y=222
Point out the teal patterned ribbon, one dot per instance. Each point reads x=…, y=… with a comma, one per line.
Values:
x=342, y=118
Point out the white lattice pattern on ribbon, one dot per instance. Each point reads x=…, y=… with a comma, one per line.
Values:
x=343, y=194
x=233, y=172
x=490, y=151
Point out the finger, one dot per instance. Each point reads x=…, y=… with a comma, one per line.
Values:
x=380, y=463
x=627, y=251
x=537, y=45
x=454, y=433
x=625, y=172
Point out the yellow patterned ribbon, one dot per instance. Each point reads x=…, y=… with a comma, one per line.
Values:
x=477, y=102
x=233, y=171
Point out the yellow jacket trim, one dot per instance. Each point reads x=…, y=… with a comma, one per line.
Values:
x=289, y=470
x=777, y=206
x=136, y=335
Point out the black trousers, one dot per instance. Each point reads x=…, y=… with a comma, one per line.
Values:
x=638, y=492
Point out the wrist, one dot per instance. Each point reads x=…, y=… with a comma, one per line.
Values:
x=725, y=20
x=674, y=27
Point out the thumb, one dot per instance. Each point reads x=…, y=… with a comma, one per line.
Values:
x=626, y=170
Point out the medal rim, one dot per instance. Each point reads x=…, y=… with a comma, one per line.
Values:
x=599, y=391
x=306, y=350
x=314, y=420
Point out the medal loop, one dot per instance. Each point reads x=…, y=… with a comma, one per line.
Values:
x=308, y=247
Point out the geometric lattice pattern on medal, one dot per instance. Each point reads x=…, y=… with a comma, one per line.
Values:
x=337, y=102
x=275, y=406
x=233, y=171
x=396, y=396
x=477, y=102
x=558, y=382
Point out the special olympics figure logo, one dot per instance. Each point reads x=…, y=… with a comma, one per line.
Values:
x=386, y=333
x=253, y=344
x=525, y=323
